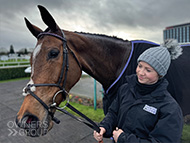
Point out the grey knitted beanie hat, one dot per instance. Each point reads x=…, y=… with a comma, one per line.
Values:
x=160, y=57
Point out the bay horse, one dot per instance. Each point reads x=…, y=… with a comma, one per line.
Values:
x=57, y=62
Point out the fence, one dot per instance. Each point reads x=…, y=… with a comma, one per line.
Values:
x=13, y=61
x=14, y=64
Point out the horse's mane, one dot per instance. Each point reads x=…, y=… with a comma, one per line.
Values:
x=102, y=36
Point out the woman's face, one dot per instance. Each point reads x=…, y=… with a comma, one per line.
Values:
x=146, y=74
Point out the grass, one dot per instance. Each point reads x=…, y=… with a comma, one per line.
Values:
x=186, y=134
x=95, y=115
x=16, y=79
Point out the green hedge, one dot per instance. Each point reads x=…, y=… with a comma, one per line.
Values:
x=12, y=73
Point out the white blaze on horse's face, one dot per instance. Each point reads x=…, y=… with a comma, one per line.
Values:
x=35, y=53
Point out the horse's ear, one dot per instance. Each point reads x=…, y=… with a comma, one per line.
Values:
x=33, y=29
x=48, y=19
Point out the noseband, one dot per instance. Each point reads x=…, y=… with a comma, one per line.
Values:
x=62, y=90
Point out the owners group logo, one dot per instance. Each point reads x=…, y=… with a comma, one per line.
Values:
x=14, y=130
x=30, y=129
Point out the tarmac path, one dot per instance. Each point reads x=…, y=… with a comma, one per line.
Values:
x=85, y=88
x=68, y=131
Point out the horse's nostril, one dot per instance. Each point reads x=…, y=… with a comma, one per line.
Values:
x=29, y=121
x=31, y=125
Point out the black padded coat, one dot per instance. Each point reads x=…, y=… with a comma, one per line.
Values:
x=155, y=117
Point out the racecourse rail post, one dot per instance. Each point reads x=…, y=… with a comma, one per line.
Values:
x=95, y=95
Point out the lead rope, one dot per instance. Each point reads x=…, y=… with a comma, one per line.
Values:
x=91, y=123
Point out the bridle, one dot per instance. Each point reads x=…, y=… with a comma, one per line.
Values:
x=65, y=66
x=62, y=90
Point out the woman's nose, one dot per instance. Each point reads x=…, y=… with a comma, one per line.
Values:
x=141, y=72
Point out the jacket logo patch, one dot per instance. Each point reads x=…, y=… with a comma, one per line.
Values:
x=150, y=109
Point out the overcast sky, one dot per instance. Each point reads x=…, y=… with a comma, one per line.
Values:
x=126, y=19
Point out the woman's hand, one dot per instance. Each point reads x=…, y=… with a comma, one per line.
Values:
x=99, y=136
x=116, y=133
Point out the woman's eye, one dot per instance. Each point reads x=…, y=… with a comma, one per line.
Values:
x=148, y=70
x=140, y=66
x=53, y=53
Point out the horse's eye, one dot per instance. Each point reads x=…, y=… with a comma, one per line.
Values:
x=53, y=53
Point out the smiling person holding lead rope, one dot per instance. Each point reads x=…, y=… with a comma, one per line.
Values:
x=144, y=111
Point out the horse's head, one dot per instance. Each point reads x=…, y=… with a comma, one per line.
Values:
x=50, y=77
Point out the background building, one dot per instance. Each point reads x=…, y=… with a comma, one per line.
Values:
x=180, y=32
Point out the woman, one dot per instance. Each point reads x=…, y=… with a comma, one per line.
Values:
x=144, y=111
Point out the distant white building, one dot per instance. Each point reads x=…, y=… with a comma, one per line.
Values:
x=180, y=32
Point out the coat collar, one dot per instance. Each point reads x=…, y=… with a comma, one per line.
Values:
x=157, y=95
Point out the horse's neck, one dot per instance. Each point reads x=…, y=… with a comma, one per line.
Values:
x=101, y=57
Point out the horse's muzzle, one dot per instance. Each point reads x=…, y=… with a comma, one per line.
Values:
x=32, y=126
